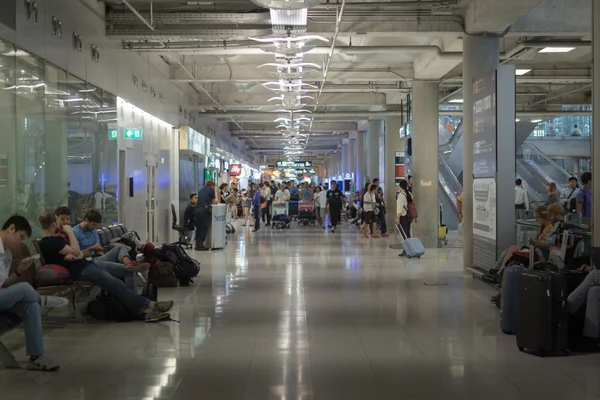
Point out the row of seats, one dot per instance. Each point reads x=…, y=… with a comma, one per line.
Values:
x=72, y=290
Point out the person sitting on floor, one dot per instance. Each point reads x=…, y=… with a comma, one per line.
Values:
x=56, y=250
x=20, y=298
x=116, y=261
x=588, y=294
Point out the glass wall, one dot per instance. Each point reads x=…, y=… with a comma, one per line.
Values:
x=53, y=136
x=565, y=125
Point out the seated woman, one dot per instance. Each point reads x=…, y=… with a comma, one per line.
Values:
x=544, y=218
x=57, y=251
x=588, y=294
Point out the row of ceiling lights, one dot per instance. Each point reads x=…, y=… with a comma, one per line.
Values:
x=290, y=42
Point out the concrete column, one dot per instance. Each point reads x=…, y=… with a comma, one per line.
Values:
x=375, y=129
x=596, y=124
x=393, y=143
x=479, y=52
x=361, y=169
x=351, y=156
x=345, y=156
x=425, y=160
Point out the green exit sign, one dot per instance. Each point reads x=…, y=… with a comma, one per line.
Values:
x=113, y=134
x=134, y=133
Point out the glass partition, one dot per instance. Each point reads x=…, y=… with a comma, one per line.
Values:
x=55, y=148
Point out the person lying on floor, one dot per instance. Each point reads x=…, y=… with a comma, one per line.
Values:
x=116, y=261
x=56, y=250
x=20, y=298
x=588, y=294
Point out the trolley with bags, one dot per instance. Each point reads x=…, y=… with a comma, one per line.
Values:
x=412, y=246
x=443, y=230
x=280, y=216
x=306, y=213
x=294, y=206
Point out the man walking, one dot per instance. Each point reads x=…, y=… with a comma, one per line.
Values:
x=203, y=214
x=334, y=204
x=256, y=202
x=521, y=200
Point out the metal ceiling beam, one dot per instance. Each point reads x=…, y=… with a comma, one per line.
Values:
x=185, y=18
x=318, y=126
x=252, y=100
x=525, y=114
x=352, y=115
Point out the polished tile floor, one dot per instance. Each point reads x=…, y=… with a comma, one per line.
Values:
x=303, y=314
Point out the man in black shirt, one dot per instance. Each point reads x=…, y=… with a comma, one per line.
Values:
x=335, y=198
x=203, y=215
x=57, y=251
x=188, y=216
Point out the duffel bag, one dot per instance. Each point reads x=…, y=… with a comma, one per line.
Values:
x=162, y=274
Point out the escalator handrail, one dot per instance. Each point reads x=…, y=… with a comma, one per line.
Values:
x=542, y=155
x=450, y=144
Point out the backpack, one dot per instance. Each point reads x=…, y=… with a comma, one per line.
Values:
x=282, y=217
x=108, y=308
x=51, y=275
x=412, y=210
x=229, y=229
x=162, y=275
x=184, y=266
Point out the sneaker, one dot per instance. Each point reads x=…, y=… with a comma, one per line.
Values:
x=254, y=230
x=41, y=364
x=156, y=315
x=385, y=235
x=201, y=249
x=403, y=254
x=163, y=306
x=332, y=230
x=136, y=267
x=55, y=302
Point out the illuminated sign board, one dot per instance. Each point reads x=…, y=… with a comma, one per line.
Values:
x=235, y=169
x=134, y=133
x=293, y=164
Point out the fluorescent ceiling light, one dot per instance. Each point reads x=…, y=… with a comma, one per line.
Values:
x=517, y=120
x=289, y=39
x=556, y=49
x=456, y=101
x=522, y=71
x=535, y=121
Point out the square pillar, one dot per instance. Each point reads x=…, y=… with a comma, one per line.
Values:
x=425, y=160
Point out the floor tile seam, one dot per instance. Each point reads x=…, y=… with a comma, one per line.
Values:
x=491, y=362
x=373, y=372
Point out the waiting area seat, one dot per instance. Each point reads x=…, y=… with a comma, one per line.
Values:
x=182, y=230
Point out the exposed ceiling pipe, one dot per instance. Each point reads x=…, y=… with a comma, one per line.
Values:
x=338, y=22
x=258, y=114
x=556, y=96
x=174, y=57
x=555, y=43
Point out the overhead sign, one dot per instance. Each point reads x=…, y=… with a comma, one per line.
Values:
x=113, y=134
x=134, y=133
x=293, y=164
x=235, y=169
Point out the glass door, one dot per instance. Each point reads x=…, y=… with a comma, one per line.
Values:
x=151, y=199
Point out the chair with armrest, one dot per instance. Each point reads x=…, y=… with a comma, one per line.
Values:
x=182, y=230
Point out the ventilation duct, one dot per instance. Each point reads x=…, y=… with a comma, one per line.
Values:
x=287, y=4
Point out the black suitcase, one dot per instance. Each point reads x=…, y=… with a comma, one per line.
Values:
x=542, y=317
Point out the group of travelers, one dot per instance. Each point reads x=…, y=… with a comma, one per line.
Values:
x=552, y=223
x=77, y=249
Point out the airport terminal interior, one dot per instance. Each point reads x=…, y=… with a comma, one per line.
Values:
x=241, y=200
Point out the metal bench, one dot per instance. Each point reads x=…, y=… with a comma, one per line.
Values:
x=8, y=321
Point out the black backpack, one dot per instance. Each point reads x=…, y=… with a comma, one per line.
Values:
x=108, y=308
x=184, y=266
x=162, y=274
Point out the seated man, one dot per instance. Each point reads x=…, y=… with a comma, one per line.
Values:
x=56, y=250
x=188, y=216
x=20, y=298
x=588, y=293
x=116, y=261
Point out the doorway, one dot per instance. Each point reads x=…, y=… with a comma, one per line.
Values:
x=151, y=198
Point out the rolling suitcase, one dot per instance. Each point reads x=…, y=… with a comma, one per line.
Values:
x=412, y=246
x=509, y=296
x=542, y=319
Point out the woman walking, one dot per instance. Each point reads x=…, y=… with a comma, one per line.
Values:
x=402, y=209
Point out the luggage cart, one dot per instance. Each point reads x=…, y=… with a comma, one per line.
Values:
x=280, y=216
x=306, y=213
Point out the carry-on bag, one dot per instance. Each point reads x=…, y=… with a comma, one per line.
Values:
x=412, y=246
x=509, y=296
x=542, y=318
